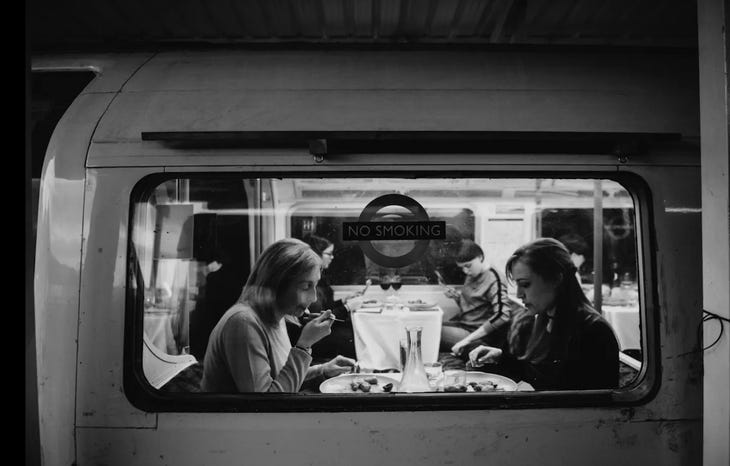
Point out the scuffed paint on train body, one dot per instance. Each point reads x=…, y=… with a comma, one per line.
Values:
x=96, y=157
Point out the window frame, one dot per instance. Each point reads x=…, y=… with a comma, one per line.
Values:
x=642, y=390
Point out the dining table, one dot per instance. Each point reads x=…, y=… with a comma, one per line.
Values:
x=625, y=323
x=381, y=331
x=158, y=328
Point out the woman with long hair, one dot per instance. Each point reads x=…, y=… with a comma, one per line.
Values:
x=249, y=348
x=341, y=340
x=568, y=345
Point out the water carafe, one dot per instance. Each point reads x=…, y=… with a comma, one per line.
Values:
x=414, y=375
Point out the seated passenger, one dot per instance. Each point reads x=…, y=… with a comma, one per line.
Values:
x=249, y=348
x=341, y=341
x=577, y=247
x=570, y=346
x=484, y=308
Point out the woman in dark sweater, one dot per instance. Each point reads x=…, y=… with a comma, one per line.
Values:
x=561, y=342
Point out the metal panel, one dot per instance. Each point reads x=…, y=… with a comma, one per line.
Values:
x=669, y=74
x=426, y=91
x=100, y=398
x=56, y=281
x=112, y=70
x=459, y=438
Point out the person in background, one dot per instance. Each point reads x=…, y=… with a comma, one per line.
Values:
x=341, y=340
x=249, y=348
x=484, y=308
x=577, y=247
x=570, y=346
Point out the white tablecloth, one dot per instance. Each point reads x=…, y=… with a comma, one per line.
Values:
x=625, y=322
x=158, y=328
x=378, y=336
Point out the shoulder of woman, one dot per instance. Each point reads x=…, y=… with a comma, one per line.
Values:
x=242, y=318
x=584, y=318
x=597, y=328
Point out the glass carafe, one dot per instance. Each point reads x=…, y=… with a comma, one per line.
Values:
x=414, y=375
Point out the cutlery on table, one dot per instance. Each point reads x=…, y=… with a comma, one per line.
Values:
x=314, y=315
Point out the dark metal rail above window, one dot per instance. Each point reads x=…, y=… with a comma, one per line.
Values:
x=343, y=142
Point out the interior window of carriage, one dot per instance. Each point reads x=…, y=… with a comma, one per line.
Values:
x=194, y=241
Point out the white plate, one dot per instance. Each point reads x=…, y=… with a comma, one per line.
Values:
x=504, y=383
x=371, y=304
x=341, y=383
x=370, y=310
x=417, y=306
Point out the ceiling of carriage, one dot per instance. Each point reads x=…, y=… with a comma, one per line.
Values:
x=94, y=24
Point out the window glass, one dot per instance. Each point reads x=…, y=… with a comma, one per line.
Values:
x=196, y=241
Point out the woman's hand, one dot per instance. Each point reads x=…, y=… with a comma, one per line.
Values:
x=451, y=293
x=459, y=347
x=316, y=329
x=483, y=354
x=354, y=304
x=336, y=366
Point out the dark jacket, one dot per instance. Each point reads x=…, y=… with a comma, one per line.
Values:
x=583, y=354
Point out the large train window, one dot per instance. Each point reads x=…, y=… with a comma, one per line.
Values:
x=460, y=264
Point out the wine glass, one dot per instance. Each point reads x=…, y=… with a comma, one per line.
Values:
x=395, y=282
x=384, y=285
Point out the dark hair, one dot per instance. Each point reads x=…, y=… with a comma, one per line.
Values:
x=575, y=243
x=468, y=250
x=282, y=263
x=550, y=259
x=317, y=243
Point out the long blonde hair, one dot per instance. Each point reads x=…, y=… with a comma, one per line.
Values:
x=281, y=264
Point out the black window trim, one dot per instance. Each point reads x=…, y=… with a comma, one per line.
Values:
x=643, y=389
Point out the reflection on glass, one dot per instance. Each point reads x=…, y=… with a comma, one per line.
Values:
x=196, y=237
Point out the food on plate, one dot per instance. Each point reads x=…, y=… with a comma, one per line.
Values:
x=455, y=388
x=357, y=383
x=362, y=384
x=481, y=382
x=370, y=301
x=487, y=386
x=420, y=303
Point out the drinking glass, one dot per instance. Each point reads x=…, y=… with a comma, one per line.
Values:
x=396, y=284
x=385, y=284
x=434, y=372
x=455, y=377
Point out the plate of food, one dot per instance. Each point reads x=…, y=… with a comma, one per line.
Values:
x=359, y=383
x=371, y=303
x=482, y=382
x=419, y=304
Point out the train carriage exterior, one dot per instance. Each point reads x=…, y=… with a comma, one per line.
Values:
x=296, y=131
